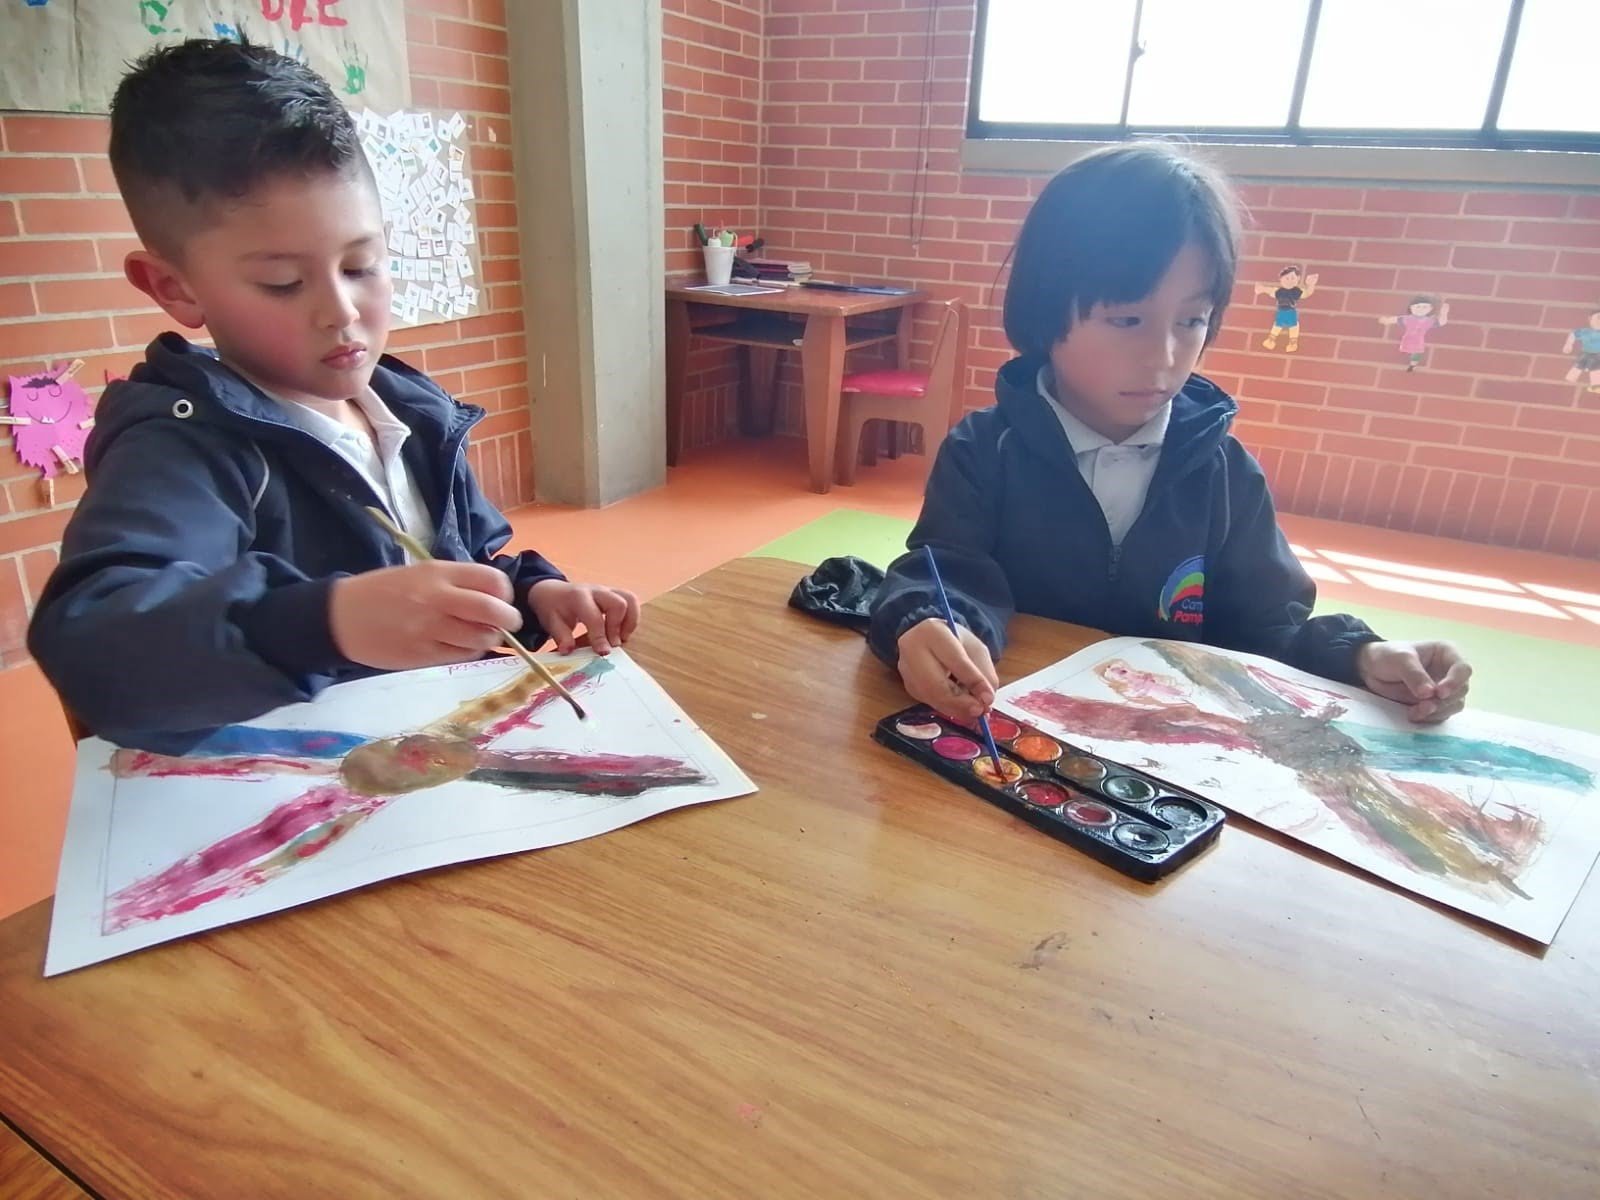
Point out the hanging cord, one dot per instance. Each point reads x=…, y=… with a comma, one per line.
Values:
x=919, y=186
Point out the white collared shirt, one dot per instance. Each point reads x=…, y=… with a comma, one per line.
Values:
x=1118, y=473
x=378, y=460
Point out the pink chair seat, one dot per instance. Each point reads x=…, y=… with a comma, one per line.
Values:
x=887, y=382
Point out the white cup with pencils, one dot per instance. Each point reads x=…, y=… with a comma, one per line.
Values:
x=719, y=262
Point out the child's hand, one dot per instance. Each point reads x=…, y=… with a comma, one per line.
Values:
x=609, y=614
x=952, y=674
x=1430, y=678
x=421, y=615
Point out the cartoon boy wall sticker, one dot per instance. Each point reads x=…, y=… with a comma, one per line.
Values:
x=1422, y=314
x=1586, y=341
x=1292, y=287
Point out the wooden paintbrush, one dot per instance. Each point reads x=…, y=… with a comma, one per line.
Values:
x=420, y=552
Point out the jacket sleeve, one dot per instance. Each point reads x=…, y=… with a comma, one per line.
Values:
x=488, y=532
x=1259, y=598
x=959, y=521
x=159, y=619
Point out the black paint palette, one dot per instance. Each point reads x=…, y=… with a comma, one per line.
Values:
x=1128, y=820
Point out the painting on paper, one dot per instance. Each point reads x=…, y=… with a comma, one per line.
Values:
x=373, y=779
x=1495, y=817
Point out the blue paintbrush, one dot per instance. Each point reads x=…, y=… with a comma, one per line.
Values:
x=950, y=619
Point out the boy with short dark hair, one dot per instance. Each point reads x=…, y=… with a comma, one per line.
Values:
x=222, y=562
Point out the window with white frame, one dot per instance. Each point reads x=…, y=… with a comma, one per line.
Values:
x=1511, y=74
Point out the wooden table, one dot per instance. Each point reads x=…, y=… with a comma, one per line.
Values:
x=861, y=981
x=765, y=325
x=27, y=1175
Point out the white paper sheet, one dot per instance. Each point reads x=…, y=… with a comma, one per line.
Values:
x=374, y=779
x=1490, y=815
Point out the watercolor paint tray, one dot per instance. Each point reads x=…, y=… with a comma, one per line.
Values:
x=1134, y=822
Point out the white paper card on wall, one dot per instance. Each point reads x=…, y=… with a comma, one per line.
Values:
x=424, y=182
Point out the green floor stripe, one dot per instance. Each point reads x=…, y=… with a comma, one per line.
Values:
x=877, y=539
x=1539, y=679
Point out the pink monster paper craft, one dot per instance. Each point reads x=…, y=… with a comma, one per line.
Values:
x=50, y=420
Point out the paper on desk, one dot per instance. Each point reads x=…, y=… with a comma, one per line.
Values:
x=1491, y=815
x=373, y=779
x=732, y=289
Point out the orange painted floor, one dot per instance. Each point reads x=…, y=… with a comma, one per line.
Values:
x=723, y=503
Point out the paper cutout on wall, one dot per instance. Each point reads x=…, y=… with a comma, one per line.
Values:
x=1422, y=314
x=49, y=416
x=424, y=178
x=1292, y=287
x=1585, y=340
x=68, y=55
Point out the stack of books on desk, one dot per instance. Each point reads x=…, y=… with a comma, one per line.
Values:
x=776, y=270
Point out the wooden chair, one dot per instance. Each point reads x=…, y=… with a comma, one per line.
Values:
x=929, y=399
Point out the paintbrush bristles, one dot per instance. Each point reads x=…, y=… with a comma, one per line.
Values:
x=420, y=552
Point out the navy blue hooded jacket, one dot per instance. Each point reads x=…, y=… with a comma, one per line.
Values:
x=194, y=577
x=1015, y=528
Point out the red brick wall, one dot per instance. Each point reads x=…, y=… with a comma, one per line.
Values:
x=1484, y=441
x=63, y=234
x=711, y=100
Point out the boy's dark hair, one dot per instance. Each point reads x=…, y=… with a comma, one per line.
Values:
x=1105, y=230
x=1415, y=300
x=1291, y=269
x=205, y=120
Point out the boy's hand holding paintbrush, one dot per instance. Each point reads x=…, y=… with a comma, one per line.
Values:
x=431, y=612
x=426, y=614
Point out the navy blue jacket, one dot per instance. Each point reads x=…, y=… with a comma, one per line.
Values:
x=1015, y=528
x=194, y=577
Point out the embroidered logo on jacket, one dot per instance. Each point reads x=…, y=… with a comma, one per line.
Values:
x=1183, y=599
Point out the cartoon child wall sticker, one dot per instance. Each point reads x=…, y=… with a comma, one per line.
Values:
x=1586, y=341
x=1293, y=286
x=1422, y=314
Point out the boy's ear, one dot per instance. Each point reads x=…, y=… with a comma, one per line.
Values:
x=161, y=281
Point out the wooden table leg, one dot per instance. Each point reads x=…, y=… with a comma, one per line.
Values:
x=822, y=365
x=677, y=371
x=899, y=431
x=759, y=401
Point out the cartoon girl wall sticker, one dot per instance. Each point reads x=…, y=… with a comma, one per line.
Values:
x=1293, y=286
x=1422, y=314
x=1586, y=341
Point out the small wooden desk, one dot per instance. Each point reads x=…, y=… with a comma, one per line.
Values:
x=827, y=334
x=861, y=981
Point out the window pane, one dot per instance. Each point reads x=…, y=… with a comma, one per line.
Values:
x=1551, y=85
x=1404, y=64
x=1054, y=62
x=1221, y=63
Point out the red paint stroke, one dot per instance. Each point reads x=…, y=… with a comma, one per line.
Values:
x=1178, y=725
x=294, y=831
x=135, y=764
x=579, y=682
